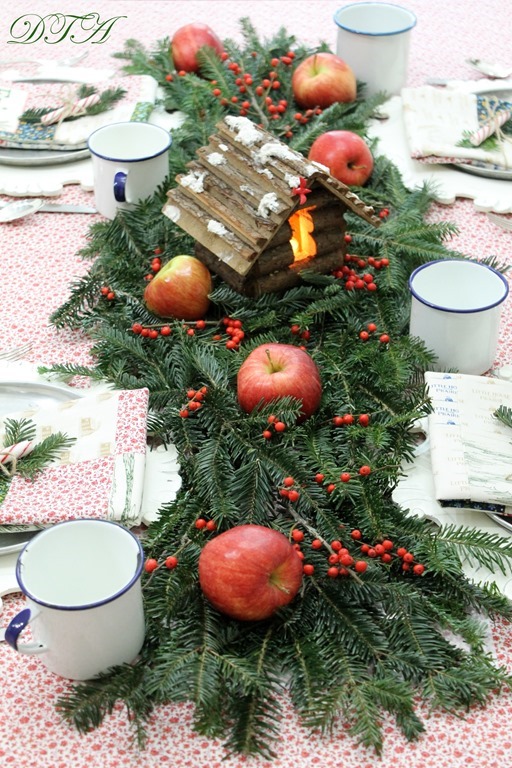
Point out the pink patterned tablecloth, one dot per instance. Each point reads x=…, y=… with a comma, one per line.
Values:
x=38, y=261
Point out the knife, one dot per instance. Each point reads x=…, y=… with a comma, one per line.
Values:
x=63, y=208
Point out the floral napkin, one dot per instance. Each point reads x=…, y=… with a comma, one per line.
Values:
x=16, y=98
x=101, y=475
x=449, y=125
x=471, y=450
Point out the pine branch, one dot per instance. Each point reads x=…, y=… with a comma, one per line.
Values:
x=18, y=430
x=42, y=454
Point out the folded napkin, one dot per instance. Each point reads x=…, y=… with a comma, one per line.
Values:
x=471, y=450
x=437, y=120
x=16, y=98
x=101, y=475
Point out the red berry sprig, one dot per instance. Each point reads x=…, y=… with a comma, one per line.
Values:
x=195, y=398
x=366, y=333
x=107, y=292
x=201, y=524
x=151, y=331
x=152, y=564
x=340, y=561
x=274, y=425
x=349, y=418
x=303, y=333
x=233, y=328
x=291, y=492
x=386, y=552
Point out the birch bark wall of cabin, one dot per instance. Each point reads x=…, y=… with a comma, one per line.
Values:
x=236, y=201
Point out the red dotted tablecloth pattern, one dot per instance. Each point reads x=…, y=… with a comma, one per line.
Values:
x=39, y=259
x=33, y=735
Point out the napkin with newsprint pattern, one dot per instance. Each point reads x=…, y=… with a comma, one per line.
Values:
x=471, y=450
x=452, y=125
x=101, y=475
x=16, y=99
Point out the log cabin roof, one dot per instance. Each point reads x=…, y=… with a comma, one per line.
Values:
x=239, y=191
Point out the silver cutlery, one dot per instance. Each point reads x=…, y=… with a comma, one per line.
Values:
x=490, y=68
x=500, y=221
x=17, y=209
x=69, y=62
x=16, y=353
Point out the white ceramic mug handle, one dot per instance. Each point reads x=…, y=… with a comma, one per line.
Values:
x=15, y=628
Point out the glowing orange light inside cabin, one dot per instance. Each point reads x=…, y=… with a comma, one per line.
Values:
x=302, y=241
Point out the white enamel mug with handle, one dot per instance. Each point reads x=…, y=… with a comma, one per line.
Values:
x=456, y=310
x=82, y=584
x=130, y=160
x=373, y=39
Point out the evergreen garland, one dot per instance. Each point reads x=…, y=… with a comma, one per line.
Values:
x=349, y=647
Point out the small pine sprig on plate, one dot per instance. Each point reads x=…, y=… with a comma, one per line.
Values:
x=32, y=458
x=107, y=99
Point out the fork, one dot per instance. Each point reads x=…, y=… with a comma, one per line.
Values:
x=500, y=221
x=16, y=353
x=491, y=69
x=69, y=62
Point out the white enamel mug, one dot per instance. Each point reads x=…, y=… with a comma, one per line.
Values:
x=456, y=309
x=82, y=584
x=130, y=160
x=373, y=39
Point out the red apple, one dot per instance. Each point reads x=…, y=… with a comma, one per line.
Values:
x=346, y=154
x=180, y=289
x=323, y=79
x=249, y=571
x=187, y=41
x=279, y=370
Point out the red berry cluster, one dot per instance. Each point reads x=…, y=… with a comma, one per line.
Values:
x=296, y=330
x=156, y=265
x=199, y=325
x=304, y=117
x=151, y=331
x=339, y=558
x=348, y=418
x=370, y=329
x=386, y=552
x=195, y=399
x=234, y=331
x=289, y=491
x=258, y=99
x=107, y=292
x=274, y=425
x=384, y=213
x=205, y=525
x=151, y=564
x=355, y=279
x=345, y=477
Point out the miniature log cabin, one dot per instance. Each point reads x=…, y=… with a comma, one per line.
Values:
x=260, y=213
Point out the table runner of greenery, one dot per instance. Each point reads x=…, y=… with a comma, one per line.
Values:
x=347, y=648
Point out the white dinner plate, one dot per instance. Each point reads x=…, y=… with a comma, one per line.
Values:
x=504, y=520
x=40, y=157
x=27, y=395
